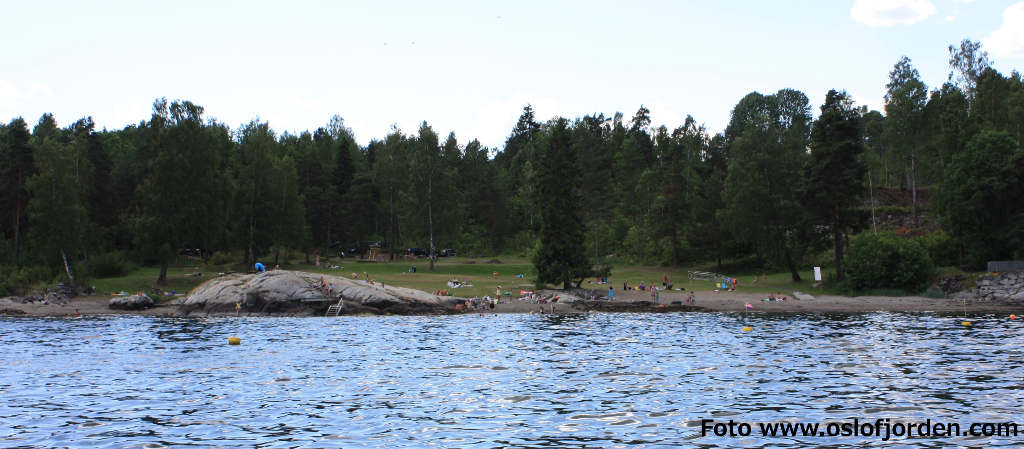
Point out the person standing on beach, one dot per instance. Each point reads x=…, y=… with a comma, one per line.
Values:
x=611, y=294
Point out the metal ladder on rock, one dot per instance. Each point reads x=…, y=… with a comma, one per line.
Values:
x=332, y=310
x=335, y=309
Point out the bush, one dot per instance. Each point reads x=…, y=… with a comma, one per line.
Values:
x=942, y=249
x=887, y=261
x=882, y=211
x=13, y=280
x=221, y=258
x=110, y=265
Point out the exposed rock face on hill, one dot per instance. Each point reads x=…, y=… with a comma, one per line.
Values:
x=301, y=293
x=1006, y=287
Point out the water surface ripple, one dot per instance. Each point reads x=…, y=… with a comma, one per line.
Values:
x=505, y=381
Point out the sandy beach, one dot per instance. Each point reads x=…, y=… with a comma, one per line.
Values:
x=736, y=301
x=80, y=306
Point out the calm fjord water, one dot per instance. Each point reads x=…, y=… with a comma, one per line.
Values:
x=591, y=380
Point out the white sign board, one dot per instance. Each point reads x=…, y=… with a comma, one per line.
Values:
x=817, y=273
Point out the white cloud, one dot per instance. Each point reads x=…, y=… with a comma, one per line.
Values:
x=887, y=13
x=950, y=18
x=1008, y=40
x=11, y=97
x=8, y=91
x=38, y=88
x=302, y=103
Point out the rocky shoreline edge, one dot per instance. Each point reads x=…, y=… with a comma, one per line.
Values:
x=297, y=293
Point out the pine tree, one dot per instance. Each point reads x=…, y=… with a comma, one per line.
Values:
x=833, y=174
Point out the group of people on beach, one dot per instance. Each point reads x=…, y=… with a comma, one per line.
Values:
x=665, y=285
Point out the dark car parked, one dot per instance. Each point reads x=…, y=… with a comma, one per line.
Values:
x=447, y=252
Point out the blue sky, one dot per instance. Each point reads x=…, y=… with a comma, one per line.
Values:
x=470, y=67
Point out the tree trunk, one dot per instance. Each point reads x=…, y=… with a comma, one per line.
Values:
x=252, y=218
x=837, y=236
x=913, y=187
x=162, y=279
x=67, y=269
x=885, y=171
x=675, y=246
x=871, y=193
x=792, y=266
x=430, y=219
x=391, y=222
x=17, y=223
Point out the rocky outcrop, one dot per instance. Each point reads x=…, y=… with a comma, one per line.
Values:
x=47, y=297
x=997, y=287
x=301, y=293
x=950, y=284
x=802, y=296
x=133, y=302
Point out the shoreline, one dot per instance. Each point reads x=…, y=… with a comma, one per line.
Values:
x=625, y=302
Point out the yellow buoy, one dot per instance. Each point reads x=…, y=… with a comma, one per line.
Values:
x=747, y=328
x=234, y=341
x=965, y=323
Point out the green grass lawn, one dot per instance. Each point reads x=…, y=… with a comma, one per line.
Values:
x=478, y=272
x=144, y=280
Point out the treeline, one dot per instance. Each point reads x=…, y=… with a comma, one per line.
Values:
x=775, y=186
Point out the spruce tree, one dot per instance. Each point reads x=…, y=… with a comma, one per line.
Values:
x=17, y=165
x=560, y=257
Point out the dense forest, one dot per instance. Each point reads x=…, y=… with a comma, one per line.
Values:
x=776, y=186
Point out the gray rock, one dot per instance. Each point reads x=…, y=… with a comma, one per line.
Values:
x=802, y=296
x=134, y=302
x=296, y=292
